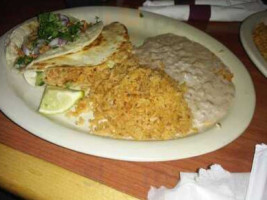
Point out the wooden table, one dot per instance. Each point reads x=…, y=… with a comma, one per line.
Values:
x=135, y=178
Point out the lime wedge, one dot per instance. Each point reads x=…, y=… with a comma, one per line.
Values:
x=56, y=100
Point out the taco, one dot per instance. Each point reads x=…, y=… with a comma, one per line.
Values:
x=46, y=37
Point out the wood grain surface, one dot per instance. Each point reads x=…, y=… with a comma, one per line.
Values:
x=33, y=178
x=135, y=178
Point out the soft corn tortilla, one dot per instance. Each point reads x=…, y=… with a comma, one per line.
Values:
x=106, y=44
x=110, y=47
x=102, y=47
x=20, y=34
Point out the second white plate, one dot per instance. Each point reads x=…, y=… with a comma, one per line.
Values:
x=246, y=31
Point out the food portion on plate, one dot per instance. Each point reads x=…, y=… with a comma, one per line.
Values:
x=210, y=90
x=111, y=47
x=260, y=39
x=253, y=35
x=167, y=88
x=45, y=38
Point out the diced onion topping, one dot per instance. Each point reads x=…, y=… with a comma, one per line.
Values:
x=35, y=51
x=57, y=42
x=40, y=42
x=64, y=19
x=26, y=50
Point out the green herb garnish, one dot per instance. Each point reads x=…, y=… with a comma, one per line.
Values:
x=71, y=33
x=39, y=79
x=23, y=61
x=50, y=27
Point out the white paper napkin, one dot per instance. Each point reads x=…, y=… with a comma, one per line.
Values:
x=199, y=2
x=257, y=189
x=213, y=10
x=219, y=184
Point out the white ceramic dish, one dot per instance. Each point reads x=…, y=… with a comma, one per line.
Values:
x=19, y=100
x=246, y=31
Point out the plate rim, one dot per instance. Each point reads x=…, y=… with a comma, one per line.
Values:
x=246, y=29
x=135, y=154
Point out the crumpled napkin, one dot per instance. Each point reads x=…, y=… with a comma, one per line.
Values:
x=217, y=183
x=257, y=189
x=213, y=10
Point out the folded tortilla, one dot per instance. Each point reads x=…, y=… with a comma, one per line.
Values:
x=21, y=33
x=110, y=47
x=107, y=45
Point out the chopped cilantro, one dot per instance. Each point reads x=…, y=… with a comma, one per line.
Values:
x=50, y=27
x=39, y=79
x=75, y=28
x=23, y=61
x=72, y=32
x=65, y=36
x=34, y=43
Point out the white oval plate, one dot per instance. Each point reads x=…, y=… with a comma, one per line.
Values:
x=246, y=31
x=19, y=101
